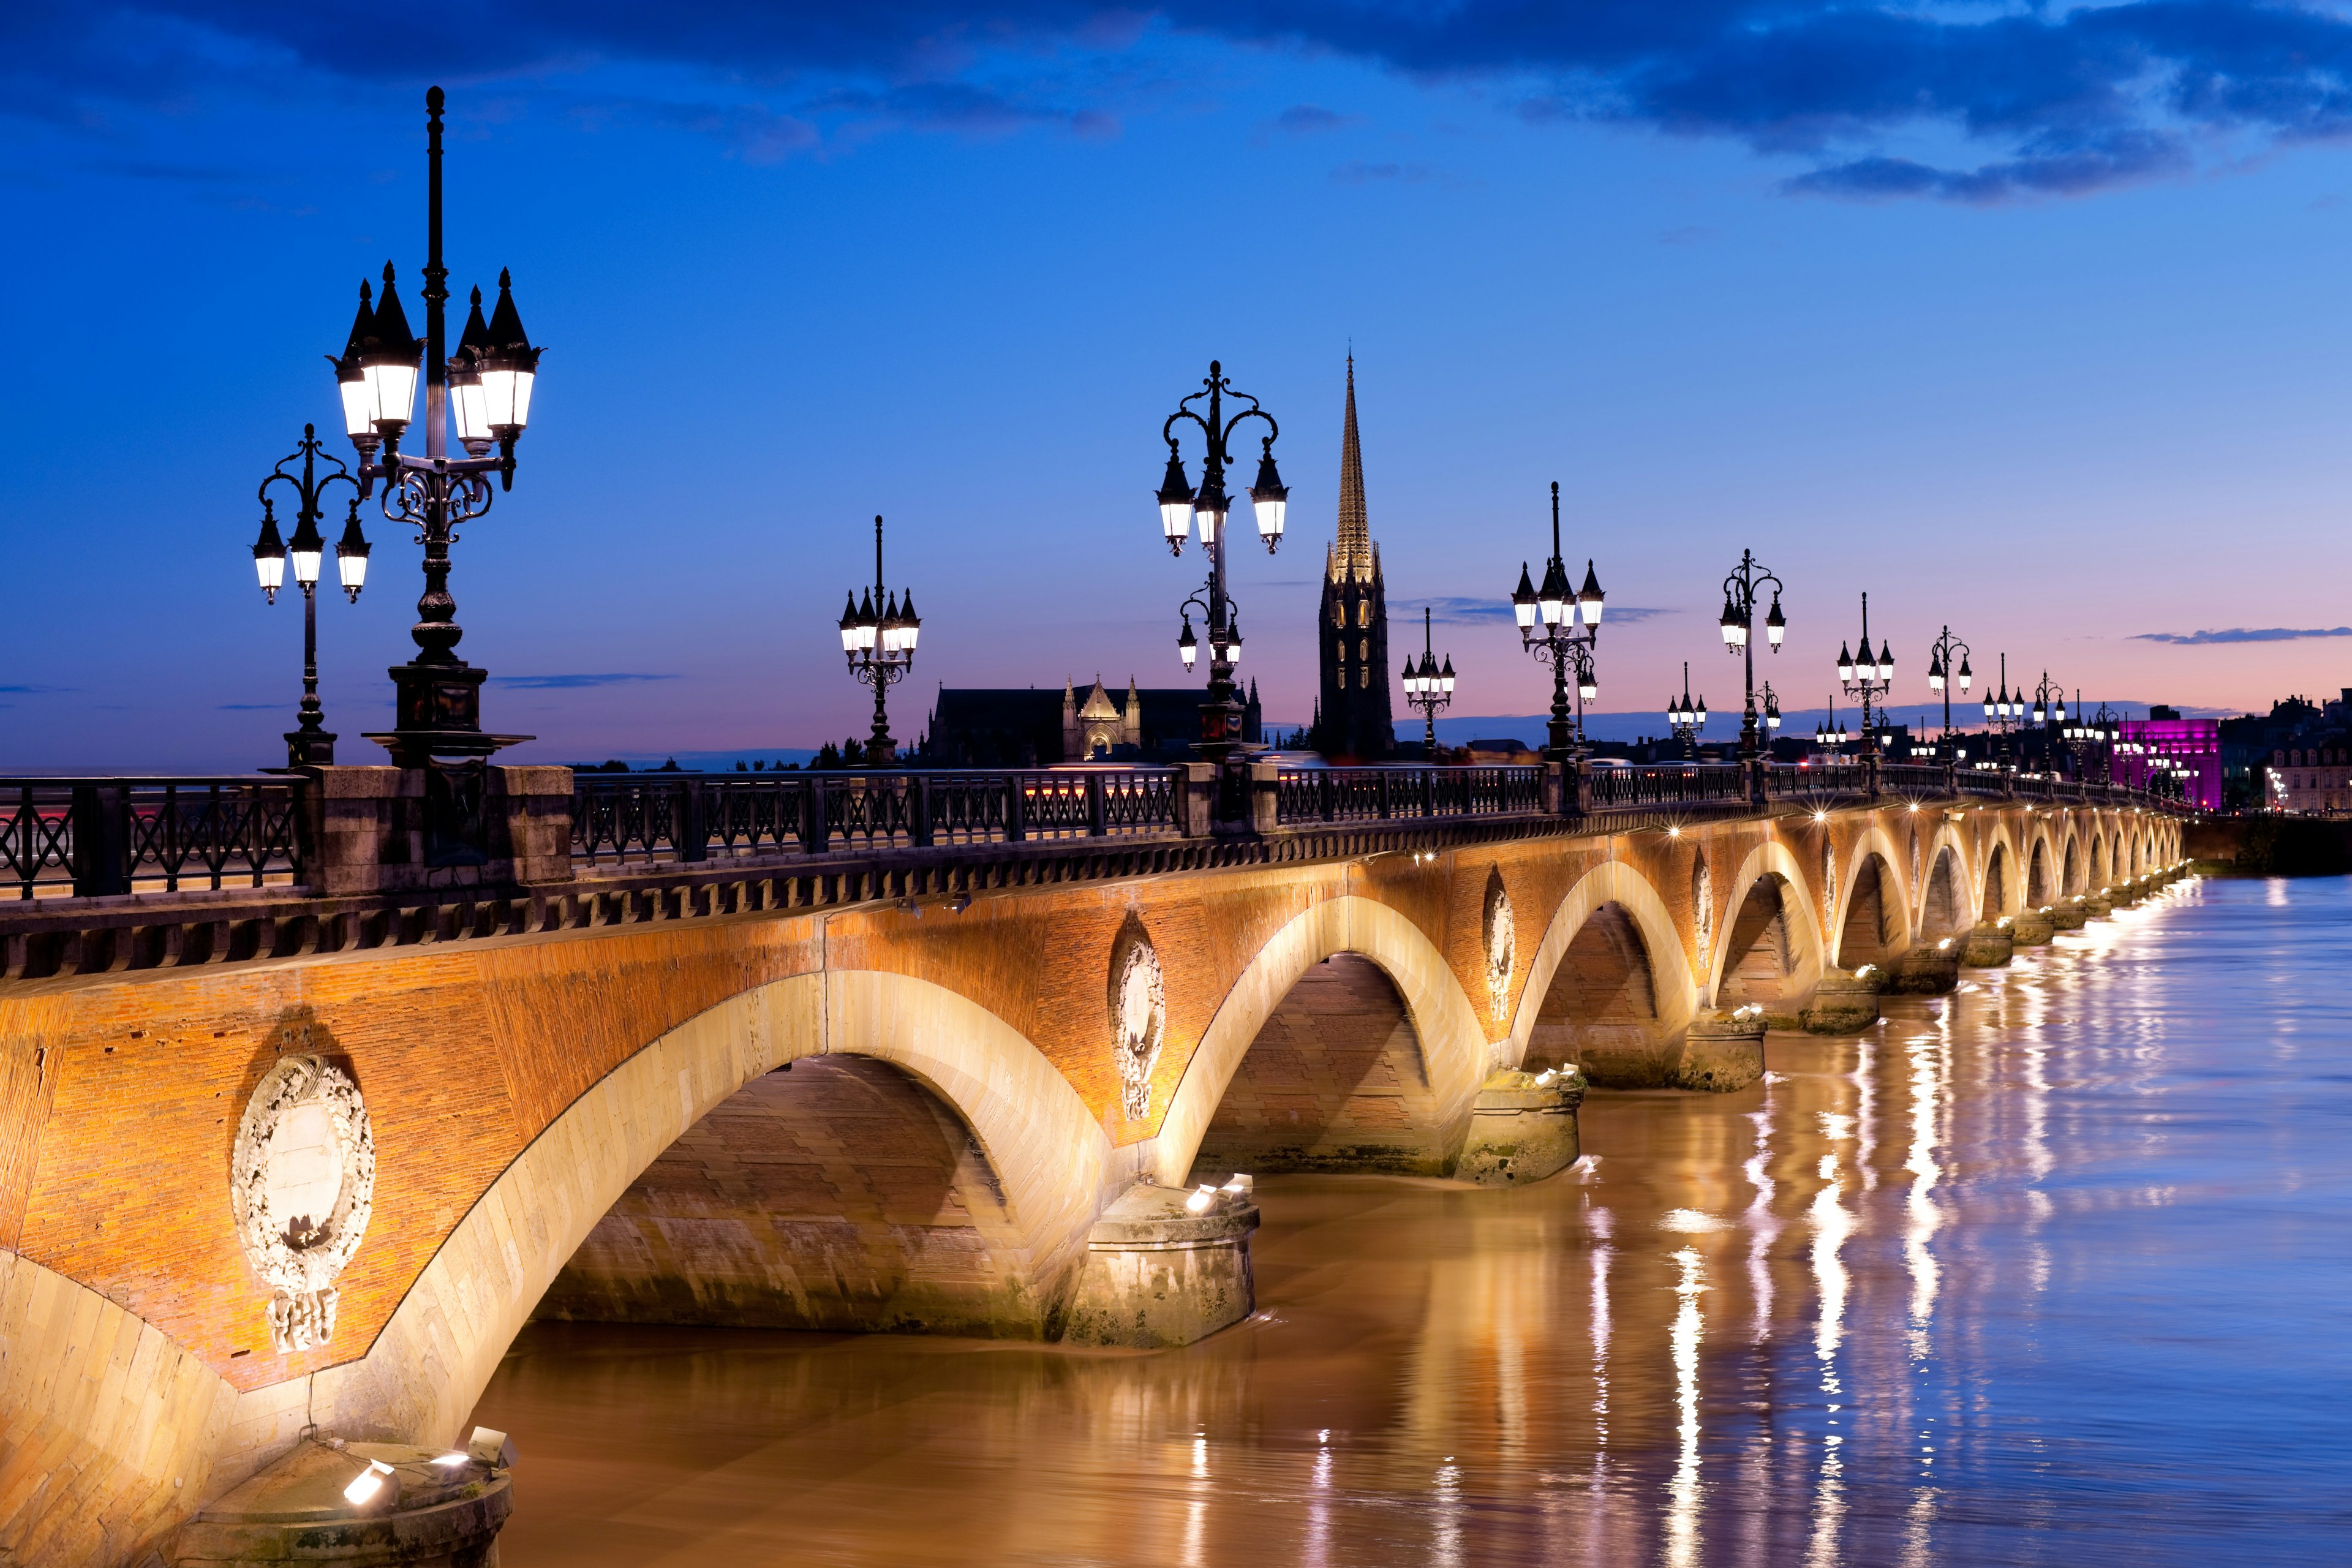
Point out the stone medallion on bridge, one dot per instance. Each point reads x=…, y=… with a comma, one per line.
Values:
x=301, y=1180
x=1501, y=946
x=1138, y=1017
x=1702, y=912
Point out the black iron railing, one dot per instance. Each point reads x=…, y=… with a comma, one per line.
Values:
x=1666, y=783
x=1382, y=795
x=96, y=837
x=625, y=817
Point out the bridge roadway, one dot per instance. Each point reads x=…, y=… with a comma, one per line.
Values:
x=581, y=1099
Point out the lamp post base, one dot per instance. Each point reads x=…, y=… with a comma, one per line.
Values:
x=310, y=749
x=438, y=710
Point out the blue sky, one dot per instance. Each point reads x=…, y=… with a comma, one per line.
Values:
x=2027, y=319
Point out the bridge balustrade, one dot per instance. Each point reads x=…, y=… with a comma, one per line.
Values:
x=1383, y=795
x=1826, y=776
x=1673, y=783
x=94, y=837
x=1914, y=778
x=644, y=817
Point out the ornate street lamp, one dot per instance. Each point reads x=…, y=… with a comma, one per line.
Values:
x=1686, y=717
x=1738, y=625
x=1771, y=710
x=308, y=743
x=877, y=637
x=2049, y=711
x=1944, y=674
x=1547, y=618
x=1428, y=688
x=1182, y=507
x=2003, y=711
x=1829, y=735
x=484, y=389
x=1867, y=678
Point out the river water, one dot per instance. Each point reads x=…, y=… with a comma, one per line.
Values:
x=2050, y=1270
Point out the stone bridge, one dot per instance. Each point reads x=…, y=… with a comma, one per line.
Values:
x=941, y=1102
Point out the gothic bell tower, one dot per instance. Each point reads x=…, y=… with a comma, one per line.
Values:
x=1353, y=717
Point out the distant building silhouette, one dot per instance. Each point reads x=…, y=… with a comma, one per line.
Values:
x=1029, y=727
x=1352, y=716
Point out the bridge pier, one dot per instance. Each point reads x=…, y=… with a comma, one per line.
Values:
x=1925, y=971
x=2068, y=914
x=2031, y=928
x=1524, y=1127
x=1988, y=945
x=1846, y=1002
x=1722, y=1050
x=1165, y=1268
x=417, y=1514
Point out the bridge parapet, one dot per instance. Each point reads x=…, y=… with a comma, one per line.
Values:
x=117, y=875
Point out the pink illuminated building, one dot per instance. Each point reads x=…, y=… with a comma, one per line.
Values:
x=2190, y=749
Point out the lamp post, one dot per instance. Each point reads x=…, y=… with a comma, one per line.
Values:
x=2001, y=712
x=485, y=389
x=1548, y=631
x=1866, y=677
x=1738, y=624
x=1180, y=506
x=1688, y=718
x=1942, y=677
x=878, y=638
x=1829, y=735
x=1428, y=688
x=310, y=742
x=2099, y=730
x=2049, y=709
x=1772, y=712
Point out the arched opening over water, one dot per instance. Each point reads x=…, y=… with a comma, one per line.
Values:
x=1996, y=887
x=1943, y=912
x=1600, y=1011
x=1334, y=1080
x=2072, y=883
x=2037, y=875
x=1759, y=956
x=2102, y=873
x=1873, y=920
x=838, y=1193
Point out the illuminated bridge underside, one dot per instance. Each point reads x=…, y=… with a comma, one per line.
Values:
x=595, y=1123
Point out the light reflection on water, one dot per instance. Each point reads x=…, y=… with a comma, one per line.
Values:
x=2051, y=1271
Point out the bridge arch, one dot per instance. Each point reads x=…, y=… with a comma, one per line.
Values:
x=1454, y=1049
x=2041, y=880
x=2071, y=879
x=1872, y=915
x=1055, y=1162
x=1625, y=902
x=1998, y=880
x=1945, y=905
x=1772, y=915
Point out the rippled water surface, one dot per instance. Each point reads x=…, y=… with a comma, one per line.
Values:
x=2053, y=1270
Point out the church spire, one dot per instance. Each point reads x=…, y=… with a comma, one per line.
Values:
x=1352, y=555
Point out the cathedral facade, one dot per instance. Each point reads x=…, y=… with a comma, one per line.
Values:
x=1352, y=716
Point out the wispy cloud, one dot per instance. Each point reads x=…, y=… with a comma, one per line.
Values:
x=1466, y=611
x=573, y=682
x=2244, y=633
x=2036, y=99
